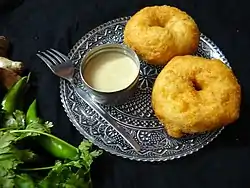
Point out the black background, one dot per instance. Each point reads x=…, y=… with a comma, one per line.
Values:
x=41, y=24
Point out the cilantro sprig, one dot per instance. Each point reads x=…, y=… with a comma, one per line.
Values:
x=66, y=173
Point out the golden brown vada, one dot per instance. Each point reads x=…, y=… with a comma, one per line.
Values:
x=193, y=95
x=159, y=33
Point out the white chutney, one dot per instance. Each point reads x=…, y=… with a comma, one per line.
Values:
x=110, y=72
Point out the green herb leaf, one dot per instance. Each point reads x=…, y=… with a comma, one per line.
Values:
x=72, y=174
x=8, y=163
x=10, y=122
x=38, y=127
x=15, y=120
x=25, y=155
x=33, y=129
x=65, y=175
x=57, y=175
x=87, y=156
x=24, y=181
x=20, y=118
x=79, y=180
x=6, y=181
x=6, y=139
x=10, y=158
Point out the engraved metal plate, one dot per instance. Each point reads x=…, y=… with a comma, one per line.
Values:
x=137, y=115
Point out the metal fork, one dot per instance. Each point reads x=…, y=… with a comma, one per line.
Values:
x=63, y=67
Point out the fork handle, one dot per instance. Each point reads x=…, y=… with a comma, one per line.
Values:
x=98, y=109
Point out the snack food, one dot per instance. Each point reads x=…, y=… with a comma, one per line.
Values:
x=193, y=95
x=159, y=33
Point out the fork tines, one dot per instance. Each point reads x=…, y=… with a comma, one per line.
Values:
x=52, y=56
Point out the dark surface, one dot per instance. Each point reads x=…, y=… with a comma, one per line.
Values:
x=38, y=25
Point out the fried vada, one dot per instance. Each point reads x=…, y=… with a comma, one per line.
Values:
x=159, y=33
x=194, y=95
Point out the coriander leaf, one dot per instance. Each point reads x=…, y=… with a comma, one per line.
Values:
x=38, y=127
x=6, y=182
x=20, y=118
x=10, y=121
x=96, y=153
x=79, y=180
x=72, y=174
x=6, y=139
x=24, y=181
x=8, y=163
x=56, y=175
x=72, y=164
x=15, y=120
x=85, y=146
x=87, y=156
x=33, y=129
x=10, y=158
x=25, y=155
x=63, y=175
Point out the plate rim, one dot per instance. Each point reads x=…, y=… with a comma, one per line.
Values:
x=69, y=114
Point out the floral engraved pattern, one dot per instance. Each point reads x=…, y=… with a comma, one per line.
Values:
x=136, y=115
x=148, y=75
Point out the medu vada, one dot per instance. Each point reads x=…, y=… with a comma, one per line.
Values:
x=159, y=33
x=193, y=95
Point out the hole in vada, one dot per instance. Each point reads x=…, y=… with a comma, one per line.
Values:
x=196, y=85
x=156, y=23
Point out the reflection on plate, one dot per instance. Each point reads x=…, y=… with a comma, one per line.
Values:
x=136, y=115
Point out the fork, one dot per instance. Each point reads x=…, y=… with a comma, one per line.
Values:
x=63, y=67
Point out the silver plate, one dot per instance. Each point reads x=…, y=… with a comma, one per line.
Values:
x=137, y=114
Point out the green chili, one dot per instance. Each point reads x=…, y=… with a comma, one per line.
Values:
x=31, y=115
x=10, y=101
x=55, y=146
x=58, y=148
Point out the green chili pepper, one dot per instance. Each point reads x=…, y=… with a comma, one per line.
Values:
x=55, y=146
x=10, y=101
x=31, y=115
x=58, y=148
